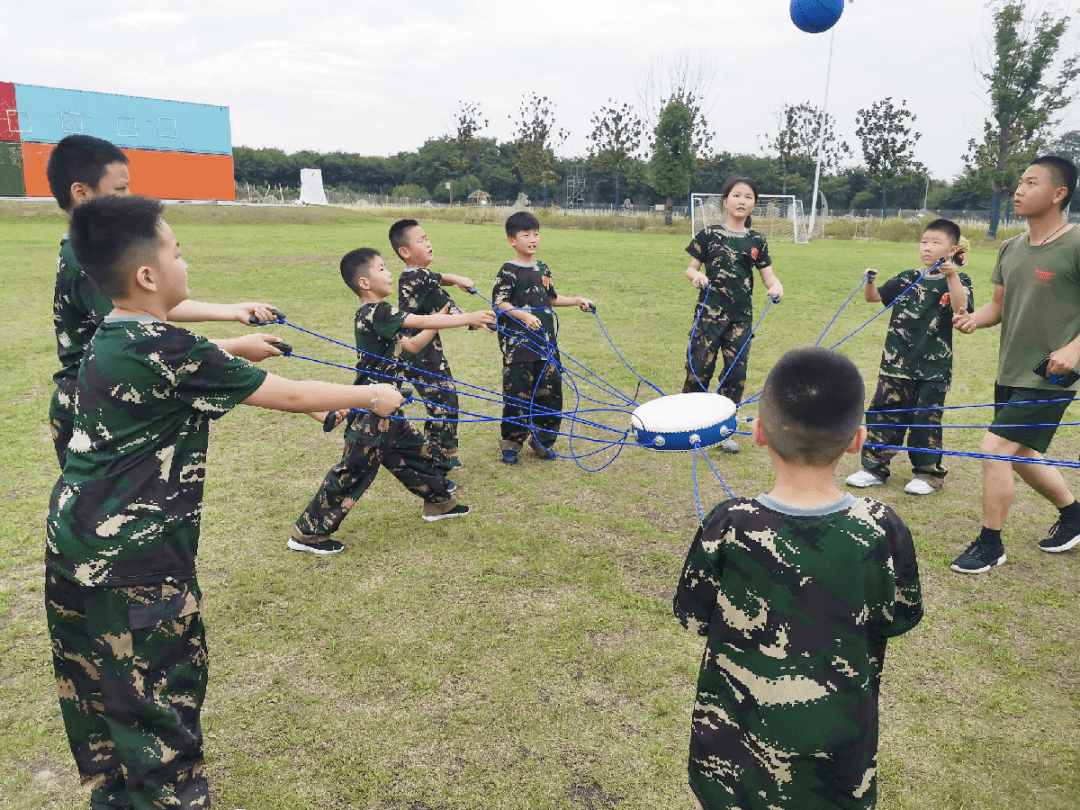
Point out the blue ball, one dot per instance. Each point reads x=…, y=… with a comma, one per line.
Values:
x=815, y=16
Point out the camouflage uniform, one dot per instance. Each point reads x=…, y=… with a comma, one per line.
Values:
x=122, y=600
x=532, y=383
x=797, y=610
x=916, y=370
x=78, y=308
x=725, y=307
x=420, y=292
x=371, y=440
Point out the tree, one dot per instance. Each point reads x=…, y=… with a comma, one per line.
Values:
x=615, y=141
x=536, y=138
x=887, y=144
x=1030, y=85
x=799, y=127
x=687, y=80
x=673, y=162
x=1066, y=145
x=466, y=123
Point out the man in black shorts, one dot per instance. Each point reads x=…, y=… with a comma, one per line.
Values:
x=1037, y=302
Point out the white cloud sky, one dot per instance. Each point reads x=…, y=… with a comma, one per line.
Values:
x=378, y=77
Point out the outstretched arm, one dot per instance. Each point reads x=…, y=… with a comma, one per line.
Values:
x=452, y=279
x=528, y=320
x=870, y=290
x=584, y=304
x=280, y=394
x=251, y=347
x=189, y=311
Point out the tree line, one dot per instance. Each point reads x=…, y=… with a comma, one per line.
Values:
x=661, y=148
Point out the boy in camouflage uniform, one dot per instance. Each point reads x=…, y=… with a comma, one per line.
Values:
x=532, y=388
x=916, y=365
x=121, y=595
x=372, y=441
x=798, y=592
x=420, y=291
x=81, y=168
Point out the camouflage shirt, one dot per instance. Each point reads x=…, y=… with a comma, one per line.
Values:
x=918, y=344
x=420, y=292
x=126, y=510
x=729, y=260
x=78, y=308
x=797, y=611
x=525, y=287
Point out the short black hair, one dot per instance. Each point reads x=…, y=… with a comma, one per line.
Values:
x=947, y=227
x=399, y=235
x=79, y=159
x=1062, y=172
x=112, y=236
x=521, y=221
x=355, y=265
x=812, y=406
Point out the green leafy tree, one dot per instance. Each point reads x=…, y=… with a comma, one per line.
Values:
x=536, y=137
x=688, y=80
x=673, y=162
x=796, y=140
x=1066, y=145
x=1030, y=84
x=887, y=145
x=615, y=141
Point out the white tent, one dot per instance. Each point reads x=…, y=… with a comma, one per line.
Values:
x=311, y=190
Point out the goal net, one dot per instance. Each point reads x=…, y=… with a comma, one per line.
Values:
x=776, y=216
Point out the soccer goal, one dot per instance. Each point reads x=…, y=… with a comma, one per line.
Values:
x=776, y=216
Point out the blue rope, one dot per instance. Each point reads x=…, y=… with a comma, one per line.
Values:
x=892, y=303
x=837, y=315
x=612, y=344
x=690, y=345
x=969, y=427
x=717, y=474
x=960, y=407
x=1049, y=462
x=746, y=343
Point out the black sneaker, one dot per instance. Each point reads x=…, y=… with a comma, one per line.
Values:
x=1063, y=536
x=458, y=511
x=327, y=546
x=979, y=558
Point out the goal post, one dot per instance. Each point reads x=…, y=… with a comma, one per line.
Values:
x=776, y=216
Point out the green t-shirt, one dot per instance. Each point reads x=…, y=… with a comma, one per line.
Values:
x=797, y=610
x=532, y=288
x=126, y=511
x=918, y=343
x=78, y=307
x=729, y=260
x=1041, y=313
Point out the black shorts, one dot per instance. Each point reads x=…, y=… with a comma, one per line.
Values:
x=1037, y=423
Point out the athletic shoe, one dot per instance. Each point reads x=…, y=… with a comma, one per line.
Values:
x=450, y=485
x=729, y=446
x=979, y=558
x=327, y=546
x=509, y=456
x=916, y=486
x=863, y=479
x=1063, y=536
x=455, y=463
x=458, y=511
x=542, y=453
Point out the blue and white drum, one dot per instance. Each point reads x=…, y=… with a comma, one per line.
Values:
x=684, y=421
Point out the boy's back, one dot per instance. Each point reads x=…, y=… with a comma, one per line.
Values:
x=797, y=609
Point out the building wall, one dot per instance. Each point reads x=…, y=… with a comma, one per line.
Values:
x=178, y=150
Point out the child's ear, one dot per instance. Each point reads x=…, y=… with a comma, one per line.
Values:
x=858, y=440
x=757, y=432
x=953, y=250
x=143, y=279
x=80, y=193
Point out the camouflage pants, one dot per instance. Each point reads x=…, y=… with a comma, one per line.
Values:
x=532, y=403
x=131, y=670
x=372, y=441
x=898, y=393
x=440, y=398
x=724, y=338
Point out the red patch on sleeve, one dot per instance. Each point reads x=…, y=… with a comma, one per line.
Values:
x=753, y=253
x=547, y=281
x=945, y=300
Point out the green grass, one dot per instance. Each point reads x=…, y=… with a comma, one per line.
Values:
x=524, y=656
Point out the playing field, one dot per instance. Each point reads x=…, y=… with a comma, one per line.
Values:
x=524, y=656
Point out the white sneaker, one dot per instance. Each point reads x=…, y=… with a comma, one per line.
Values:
x=863, y=478
x=729, y=446
x=916, y=486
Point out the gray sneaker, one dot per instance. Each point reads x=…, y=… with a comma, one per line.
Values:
x=979, y=558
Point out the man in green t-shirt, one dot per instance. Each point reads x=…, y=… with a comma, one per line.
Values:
x=1037, y=302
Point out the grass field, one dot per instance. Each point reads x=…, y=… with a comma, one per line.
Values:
x=523, y=657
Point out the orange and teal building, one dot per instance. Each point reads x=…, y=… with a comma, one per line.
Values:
x=178, y=150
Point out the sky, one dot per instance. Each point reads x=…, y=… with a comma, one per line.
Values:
x=381, y=76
